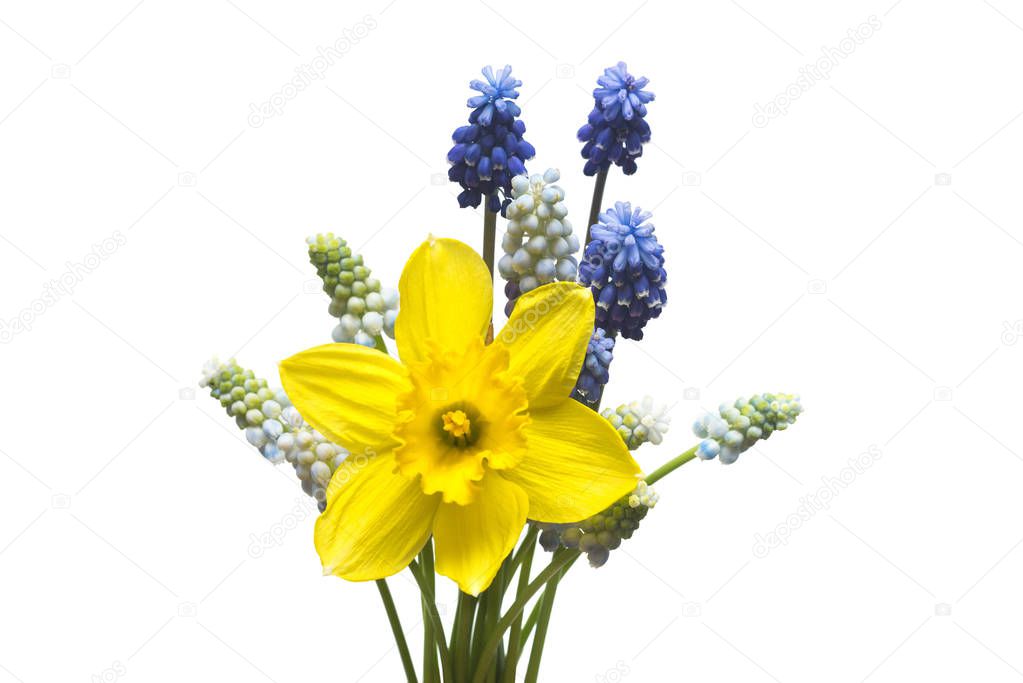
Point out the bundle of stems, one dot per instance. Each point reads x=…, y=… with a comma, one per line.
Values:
x=490, y=633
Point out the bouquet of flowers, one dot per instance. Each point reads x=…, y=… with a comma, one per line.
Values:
x=472, y=447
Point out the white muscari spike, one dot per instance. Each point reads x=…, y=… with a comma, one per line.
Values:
x=639, y=422
x=739, y=425
x=273, y=426
x=538, y=243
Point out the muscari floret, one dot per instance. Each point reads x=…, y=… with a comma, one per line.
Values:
x=365, y=309
x=616, y=129
x=624, y=264
x=273, y=426
x=739, y=425
x=539, y=246
x=490, y=150
x=598, y=535
x=595, y=372
x=639, y=422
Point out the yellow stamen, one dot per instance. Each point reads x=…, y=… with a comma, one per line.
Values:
x=457, y=423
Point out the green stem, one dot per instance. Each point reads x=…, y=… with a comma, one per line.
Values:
x=523, y=561
x=514, y=642
x=541, y=618
x=671, y=465
x=431, y=673
x=380, y=345
x=489, y=239
x=530, y=624
x=598, y=198
x=494, y=599
x=462, y=635
x=525, y=549
x=544, y=618
x=434, y=618
x=478, y=634
x=563, y=557
x=399, y=634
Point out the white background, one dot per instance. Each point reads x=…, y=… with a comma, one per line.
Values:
x=822, y=254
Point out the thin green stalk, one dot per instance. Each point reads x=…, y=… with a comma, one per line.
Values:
x=495, y=595
x=514, y=642
x=543, y=620
x=534, y=614
x=496, y=674
x=544, y=607
x=530, y=624
x=478, y=633
x=562, y=558
x=598, y=198
x=461, y=636
x=434, y=617
x=526, y=547
x=671, y=465
x=399, y=634
x=489, y=239
x=431, y=672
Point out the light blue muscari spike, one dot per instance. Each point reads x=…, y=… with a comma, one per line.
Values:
x=740, y=424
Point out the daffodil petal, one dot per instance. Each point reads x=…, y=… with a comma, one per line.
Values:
x=375, y=522
x=446, y=296
x=472, y=540
x=348, y=392
x=575, y=465
x=546, y=336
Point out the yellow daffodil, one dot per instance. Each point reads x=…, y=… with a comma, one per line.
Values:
x=461, y=440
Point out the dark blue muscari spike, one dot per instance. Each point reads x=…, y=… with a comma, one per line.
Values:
x=595, y=371
x=615, y=130
x=624, y=265
x=490, y=150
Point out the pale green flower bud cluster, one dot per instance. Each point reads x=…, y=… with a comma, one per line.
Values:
x=365, y=309
x=603, y=532
x=254, y=406
x=639, y=422
x=538, y=244
x=273, y=426
x=739, y=425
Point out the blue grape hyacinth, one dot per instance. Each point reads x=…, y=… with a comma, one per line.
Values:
x=595, y=371
x=624, y=264
x=490, y=151
x=616, y=128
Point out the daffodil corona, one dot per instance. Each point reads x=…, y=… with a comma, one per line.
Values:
x=460, y=440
